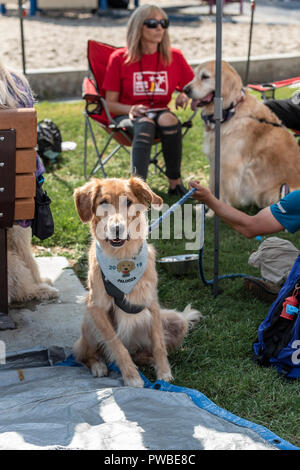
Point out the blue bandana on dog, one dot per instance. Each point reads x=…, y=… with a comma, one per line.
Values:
x=123, y=273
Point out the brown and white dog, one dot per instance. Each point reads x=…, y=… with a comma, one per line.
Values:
x=108, y=332
x=258, y=154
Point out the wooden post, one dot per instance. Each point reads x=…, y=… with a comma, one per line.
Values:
x=7, y=209
x=17, y=185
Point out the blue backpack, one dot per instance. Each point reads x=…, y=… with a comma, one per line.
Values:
x=278, y=342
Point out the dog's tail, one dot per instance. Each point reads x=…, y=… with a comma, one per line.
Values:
x=191, y=315
x=176, y=324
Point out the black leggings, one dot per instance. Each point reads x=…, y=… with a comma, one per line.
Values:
x=287, y=110
x=144, y=131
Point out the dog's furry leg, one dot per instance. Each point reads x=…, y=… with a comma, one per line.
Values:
x=162, y=366
x=116, y=348
x=21, y=285
x=19, y=242
x=86, y=351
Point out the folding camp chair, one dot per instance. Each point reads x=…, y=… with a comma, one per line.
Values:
x=96, y=110
x=268, y=91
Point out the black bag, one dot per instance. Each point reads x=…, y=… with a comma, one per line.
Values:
x=43, y=225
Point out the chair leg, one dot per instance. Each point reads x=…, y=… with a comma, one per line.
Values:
x=85, y=147
x=154, y=160
x=99, y=155
x=101, y=163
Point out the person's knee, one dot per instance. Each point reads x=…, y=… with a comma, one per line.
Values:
x=145, y=121
x=167, y=120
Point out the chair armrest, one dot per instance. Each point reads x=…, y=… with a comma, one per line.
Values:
x=95, y=103
x=89, y=91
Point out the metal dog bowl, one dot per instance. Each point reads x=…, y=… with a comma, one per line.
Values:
x=180, y=264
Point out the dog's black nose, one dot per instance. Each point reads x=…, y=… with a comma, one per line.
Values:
x=187, y=90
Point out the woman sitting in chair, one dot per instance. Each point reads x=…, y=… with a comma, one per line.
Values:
x=139, y=83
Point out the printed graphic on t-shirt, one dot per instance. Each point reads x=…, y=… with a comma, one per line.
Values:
x=150, y=82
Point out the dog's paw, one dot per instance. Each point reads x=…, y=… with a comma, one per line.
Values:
x=136, y=381
x=99, y=369
x=46, y=280
x=46, y=292
x=166, y=377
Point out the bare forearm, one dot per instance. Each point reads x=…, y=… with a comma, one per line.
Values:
x=117, y=108
x=262, y=223
x=236, y=219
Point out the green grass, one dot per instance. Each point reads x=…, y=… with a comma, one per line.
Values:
x=215, y=358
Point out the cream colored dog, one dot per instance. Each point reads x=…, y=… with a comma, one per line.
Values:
x=258, y=154
x=108, y=332
x=24, y=280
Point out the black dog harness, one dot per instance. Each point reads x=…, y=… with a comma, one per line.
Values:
x=227, y=114
x=119, y=298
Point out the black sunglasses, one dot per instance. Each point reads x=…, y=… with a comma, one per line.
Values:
x=152, y=23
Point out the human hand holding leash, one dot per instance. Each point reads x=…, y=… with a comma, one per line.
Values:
x=262, y=223
x=137, y=110
x=202, y=193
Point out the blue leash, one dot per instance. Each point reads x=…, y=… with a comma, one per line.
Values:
x=200, y=264
x=171, y=209
x=211, y=281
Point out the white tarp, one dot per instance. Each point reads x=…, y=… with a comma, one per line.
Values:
x=61, y=407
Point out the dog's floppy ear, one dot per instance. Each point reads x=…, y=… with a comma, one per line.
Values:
x=83, y=197
x=143, y=192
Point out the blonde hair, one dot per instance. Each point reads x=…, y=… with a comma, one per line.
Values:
x=134, y=34
x=14, y=89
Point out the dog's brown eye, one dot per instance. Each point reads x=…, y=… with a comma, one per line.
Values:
x=129, y=202
x=204, y=76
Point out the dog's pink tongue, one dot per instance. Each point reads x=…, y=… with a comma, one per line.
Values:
x=208, y=98
x=201, y=102
x=194, y=104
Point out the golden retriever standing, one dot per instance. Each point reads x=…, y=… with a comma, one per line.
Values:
x=258, y=154
x=108, y=332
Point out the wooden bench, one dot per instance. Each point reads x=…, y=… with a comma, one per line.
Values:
x=18, y=139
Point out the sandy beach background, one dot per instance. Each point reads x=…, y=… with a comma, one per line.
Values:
x=54, y=40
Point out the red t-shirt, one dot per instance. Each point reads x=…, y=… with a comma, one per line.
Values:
x=147, y=81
